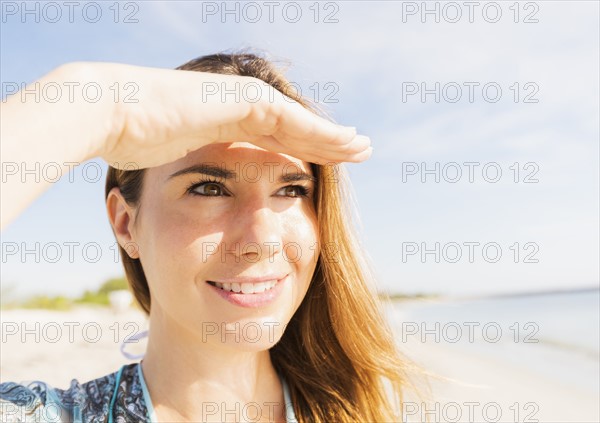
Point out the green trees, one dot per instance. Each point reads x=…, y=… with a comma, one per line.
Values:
x=61, y=302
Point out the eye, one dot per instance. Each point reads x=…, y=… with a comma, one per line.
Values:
x=294, y=191
x=207, y=189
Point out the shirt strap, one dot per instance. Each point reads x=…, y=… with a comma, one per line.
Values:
x=114, y=397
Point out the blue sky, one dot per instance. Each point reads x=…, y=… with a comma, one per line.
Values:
x=371, y=58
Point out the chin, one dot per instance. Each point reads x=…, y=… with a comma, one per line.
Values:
x=254, y=344
x=251, y=347
x=249, y=335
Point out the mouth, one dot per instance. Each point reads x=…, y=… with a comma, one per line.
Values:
x=245, y=287
x=251, y=292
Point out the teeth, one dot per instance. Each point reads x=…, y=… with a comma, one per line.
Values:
x=263, y=286
x=247, y=288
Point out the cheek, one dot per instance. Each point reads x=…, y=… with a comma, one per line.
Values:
x=177, y=229
x=300, y=234
x=169, y=248
x=301, y=245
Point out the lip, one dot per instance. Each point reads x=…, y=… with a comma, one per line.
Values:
x=251, y=300
x=248, y=279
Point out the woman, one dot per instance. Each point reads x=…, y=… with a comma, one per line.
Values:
x=236, y=241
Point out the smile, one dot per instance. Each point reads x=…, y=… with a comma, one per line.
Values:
x=245, y=287
x=251, y=292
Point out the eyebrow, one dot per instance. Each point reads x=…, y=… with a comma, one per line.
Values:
x=219, y=172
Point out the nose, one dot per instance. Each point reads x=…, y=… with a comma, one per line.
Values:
x=256, y=234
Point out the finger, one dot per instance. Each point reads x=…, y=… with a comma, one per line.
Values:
x=360, y=157
x=356, y=145
x=341, y=153
x=354, y=158
x=319, y=157
x=284, y=118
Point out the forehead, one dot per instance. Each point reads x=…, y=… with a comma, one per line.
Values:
x=232, y=155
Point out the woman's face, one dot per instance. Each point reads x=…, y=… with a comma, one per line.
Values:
x=214, y=222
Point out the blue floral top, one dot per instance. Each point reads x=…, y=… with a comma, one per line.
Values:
x=121, y=397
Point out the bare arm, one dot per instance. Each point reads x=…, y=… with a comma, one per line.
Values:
x=37, y=133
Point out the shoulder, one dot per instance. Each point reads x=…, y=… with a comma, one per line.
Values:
x=39, y=402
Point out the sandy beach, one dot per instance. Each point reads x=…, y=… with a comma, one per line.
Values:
x=57, y=346
x=473, y=384
x=480, y=388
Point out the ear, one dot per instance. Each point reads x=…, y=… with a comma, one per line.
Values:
x=122, y=220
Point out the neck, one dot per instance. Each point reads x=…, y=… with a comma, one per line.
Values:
x=192, y=380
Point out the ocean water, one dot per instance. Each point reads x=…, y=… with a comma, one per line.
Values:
x=556, y=335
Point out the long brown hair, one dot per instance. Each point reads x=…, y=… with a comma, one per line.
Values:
x=337, y=354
